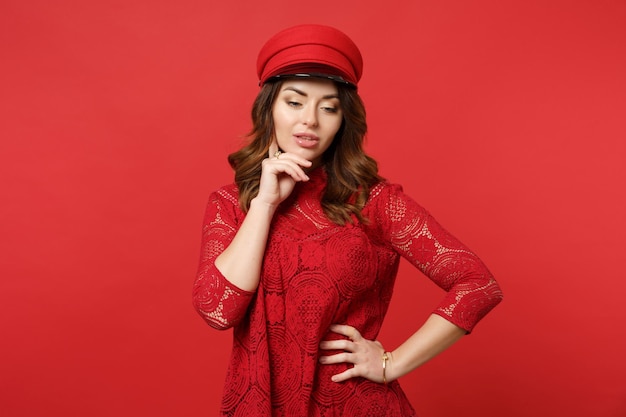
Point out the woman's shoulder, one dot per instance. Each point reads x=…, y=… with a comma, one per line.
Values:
x=389, y=199
x=228, y=193
x=383, y=190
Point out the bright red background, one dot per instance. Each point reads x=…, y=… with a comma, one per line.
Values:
x=505, y=119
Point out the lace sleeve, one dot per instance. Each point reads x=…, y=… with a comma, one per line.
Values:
x=220, y=303
x=471, y=289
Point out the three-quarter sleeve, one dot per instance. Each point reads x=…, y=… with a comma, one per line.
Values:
x=219, y=302
x=413, y=233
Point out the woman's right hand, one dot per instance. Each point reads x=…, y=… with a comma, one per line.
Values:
x=279, y=175
x=240, y=263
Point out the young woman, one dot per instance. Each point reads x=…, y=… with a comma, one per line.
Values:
x=300, y=255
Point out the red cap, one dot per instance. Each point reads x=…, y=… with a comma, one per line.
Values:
x=310, y=50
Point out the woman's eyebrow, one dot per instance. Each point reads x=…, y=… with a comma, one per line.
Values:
x=302, y=93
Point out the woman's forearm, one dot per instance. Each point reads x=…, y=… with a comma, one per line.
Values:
x=436, y=335
x=241, y=261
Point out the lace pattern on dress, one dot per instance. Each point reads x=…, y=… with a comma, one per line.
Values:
x=417, y=236
x=220, y=303
x=316, y=273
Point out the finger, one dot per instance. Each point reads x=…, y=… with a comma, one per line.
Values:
x=287, y=156
x=272, y=154
x=285, y=167
x=296, y=173
x=344, y=357
x=348, y=331
x=341, y=344
x=345, y=375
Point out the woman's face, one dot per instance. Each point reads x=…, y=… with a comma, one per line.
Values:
x=307, y=115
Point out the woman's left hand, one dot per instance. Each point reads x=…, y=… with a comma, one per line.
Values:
x=365, y=355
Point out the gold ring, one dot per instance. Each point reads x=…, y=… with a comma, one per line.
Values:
x=277, y=153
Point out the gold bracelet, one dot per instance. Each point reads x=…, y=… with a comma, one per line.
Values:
x=385, y=358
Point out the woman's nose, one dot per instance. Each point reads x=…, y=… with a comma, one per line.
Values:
x=309, y=116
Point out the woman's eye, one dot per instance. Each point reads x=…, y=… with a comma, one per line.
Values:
x=293, y=103
x=330, y=109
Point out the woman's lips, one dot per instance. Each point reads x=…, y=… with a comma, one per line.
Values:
x=306, y=140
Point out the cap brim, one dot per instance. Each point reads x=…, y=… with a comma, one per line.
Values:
x=335, y=78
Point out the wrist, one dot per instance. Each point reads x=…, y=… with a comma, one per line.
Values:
x=385, y=358
x=391, y=373
x=258, y=204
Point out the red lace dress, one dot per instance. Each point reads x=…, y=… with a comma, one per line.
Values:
x=316, y=273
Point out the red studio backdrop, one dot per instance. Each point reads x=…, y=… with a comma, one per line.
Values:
x=505, y=119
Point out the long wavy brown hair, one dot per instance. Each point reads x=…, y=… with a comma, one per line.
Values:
x=351, y=172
